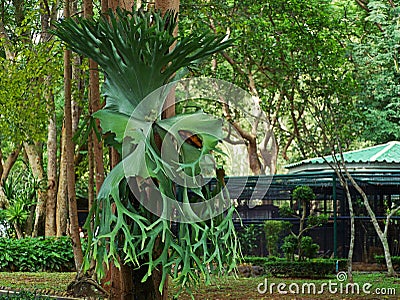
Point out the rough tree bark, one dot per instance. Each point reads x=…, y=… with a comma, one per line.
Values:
x=73, y=212
x=381, y=234
x=345, y=185
x=35, y=157
x=62, y=195
x=5, y=168
x=47, y=15
x=50, y=224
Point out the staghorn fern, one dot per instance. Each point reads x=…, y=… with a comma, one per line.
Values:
x=133, y=49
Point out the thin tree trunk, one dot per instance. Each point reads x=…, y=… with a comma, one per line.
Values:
x=50, y=223
x=91, y=183
x=62, y=194
x=94, y=105
x=352, y=231
x=9, y=163
x=18, y=231
x=382, y=235
x=73, y=211
x=34, y=154
x=1, y=164
x=50, y=227
x=5, y=168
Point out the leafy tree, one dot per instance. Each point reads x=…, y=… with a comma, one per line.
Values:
x=30, y=77
x=303, y=196
x=289, y=55
x=339, y=121
x=376, y=56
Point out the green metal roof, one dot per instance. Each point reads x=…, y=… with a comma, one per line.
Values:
x=385, y=153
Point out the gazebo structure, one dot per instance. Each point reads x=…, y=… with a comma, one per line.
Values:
x=383, y=159
x=376, y=169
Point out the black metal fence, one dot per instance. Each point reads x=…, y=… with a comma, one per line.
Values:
x=260, y=198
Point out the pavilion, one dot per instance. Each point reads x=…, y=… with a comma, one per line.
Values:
x=376, y=169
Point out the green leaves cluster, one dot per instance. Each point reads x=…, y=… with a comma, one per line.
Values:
x=133, y=49
x=273, y=233
x=23, y=89
x=36, y=254
x=377, y=58
x=303, y=245
x=20, y=189
x=294, y=55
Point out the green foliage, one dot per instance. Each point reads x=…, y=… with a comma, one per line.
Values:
x=380, y=259
x=36, y=254
x=285, y=211
x=260, y=261
x=23, y=88
x=290, y=246
x=308, y=248
x=20, y=189
x=301, y=269
x=304, y=246
x=273, y=233
x=317, y=220
x=133, y=50
x=293, y=53
x=249, y=236
x=281, y=267
x=25, y=295
x=303, y=194
x=377, y=60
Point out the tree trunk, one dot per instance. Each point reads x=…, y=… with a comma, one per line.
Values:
x=62, y=196
x=5, y=168
x=50, y=227
x=9, y=163
x=352, y=228
x=382, y=235
x=34, y=153
x=254, y=161
x=50, y=222
x=94, y=105
x=269, y=151
x=73, y=211
x=18, y=231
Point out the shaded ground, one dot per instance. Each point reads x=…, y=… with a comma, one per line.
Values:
x=222, y=288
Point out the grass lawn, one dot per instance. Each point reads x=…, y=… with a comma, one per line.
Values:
x=231, y=288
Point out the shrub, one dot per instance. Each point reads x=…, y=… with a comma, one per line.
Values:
x=303, y=194
x=301, y=269
x=380, y=259
x=273, y=234
x=260, y=261
x=289, y=247
x=36, y=254
x=249, y=238
x=308, y=248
